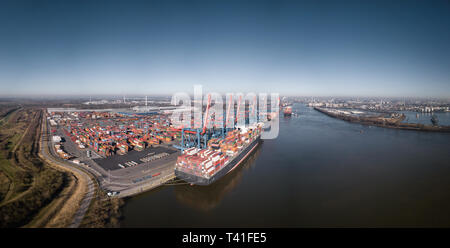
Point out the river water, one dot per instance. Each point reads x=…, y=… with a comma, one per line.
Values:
x=319, y=172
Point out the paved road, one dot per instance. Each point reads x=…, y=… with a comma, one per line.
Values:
x=79, y=215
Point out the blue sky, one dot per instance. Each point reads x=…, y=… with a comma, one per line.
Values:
x=342, y=48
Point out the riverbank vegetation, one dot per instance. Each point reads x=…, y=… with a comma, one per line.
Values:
x=27, y=185
x=104, y=211
x=35, y=191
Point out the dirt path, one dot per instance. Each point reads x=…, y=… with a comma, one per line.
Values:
x=81, y=175
x=81, y=212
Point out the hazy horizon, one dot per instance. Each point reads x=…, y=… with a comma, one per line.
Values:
x=131, y=97
x=312, y=48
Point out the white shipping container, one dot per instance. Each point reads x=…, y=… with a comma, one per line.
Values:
x=209, y=165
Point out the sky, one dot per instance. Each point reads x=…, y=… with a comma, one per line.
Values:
x=317, y=48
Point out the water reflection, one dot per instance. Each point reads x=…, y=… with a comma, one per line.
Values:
x=206, y=198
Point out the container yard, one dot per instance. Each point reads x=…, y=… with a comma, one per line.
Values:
x=127, y=152
x=131, y=152
x=114, y=133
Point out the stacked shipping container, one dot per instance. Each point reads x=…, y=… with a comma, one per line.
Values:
x=110, y=133
x=207, y=162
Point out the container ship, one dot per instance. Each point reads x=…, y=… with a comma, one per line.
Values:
x=220, y=157
x=287, y=111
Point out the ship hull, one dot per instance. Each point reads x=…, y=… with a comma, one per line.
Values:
x=197, y=180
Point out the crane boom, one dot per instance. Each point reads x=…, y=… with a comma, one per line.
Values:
x=206, y=115
x=237, y=111
x=229, y=108
x=254, y=105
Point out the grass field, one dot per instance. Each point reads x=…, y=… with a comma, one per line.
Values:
x=27, y=186
x=36, y=192
x=103, y=212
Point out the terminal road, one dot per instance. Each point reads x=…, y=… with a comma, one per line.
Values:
x=84, y=205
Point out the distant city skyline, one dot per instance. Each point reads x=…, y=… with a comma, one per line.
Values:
x=307, y=48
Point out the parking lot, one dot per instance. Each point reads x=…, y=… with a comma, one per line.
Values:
x=151, y=157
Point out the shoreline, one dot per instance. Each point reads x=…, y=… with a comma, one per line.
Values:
x=375, y=121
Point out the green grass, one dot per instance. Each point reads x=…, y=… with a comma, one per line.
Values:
x=104, y=211
x=19, y=180
x=27, y=185
x=6, y=112
x=21, y=210
x=4, y=185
